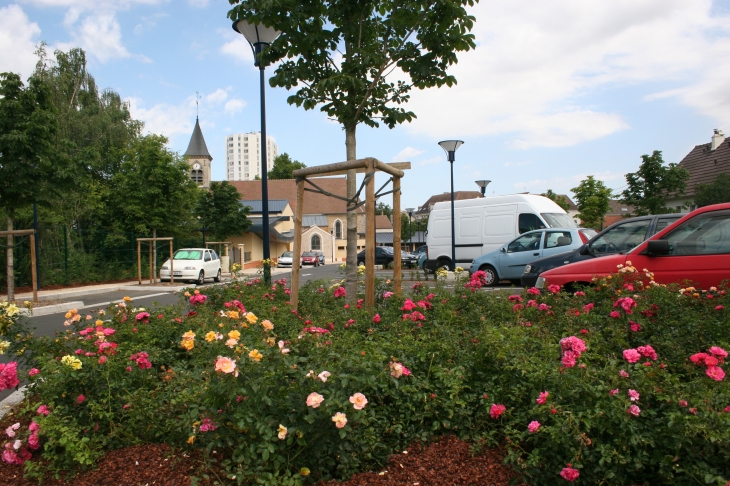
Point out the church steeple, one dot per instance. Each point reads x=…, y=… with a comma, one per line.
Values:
x=198, y=157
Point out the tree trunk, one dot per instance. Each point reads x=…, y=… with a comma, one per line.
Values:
x=154, y=256
x=11, y=272
x=351, y=260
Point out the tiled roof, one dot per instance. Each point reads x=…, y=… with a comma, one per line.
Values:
x=382, y=222
x=571, y=204
x=314, y=203
x=704, y=164
x=616, y=207
x=314, y=220
x=197, y=147
x=275, y=205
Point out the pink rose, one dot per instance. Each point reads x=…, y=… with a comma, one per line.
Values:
x=533, y=426
x=614, y=392
x=553, y=288
x=718, y=351
x=376, y=318
x=569, y=474
x=631, y=355
x=634, y=410
x=496, y=410
x=635, y=326
x=533, y=291
x=543, y=397
x=623, y=374
x=615, y=314
x=633, y=395
x=33, y=371
x=80, y=399
x=683, y=403
x=715, y=372
x=43, y=410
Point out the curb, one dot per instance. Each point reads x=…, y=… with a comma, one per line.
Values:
x=53, y=309
x=15, y=398
x=137, y=288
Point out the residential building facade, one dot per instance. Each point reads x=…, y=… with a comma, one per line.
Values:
x=243, y=155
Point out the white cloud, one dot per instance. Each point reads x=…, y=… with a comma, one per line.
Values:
x=100, y=36
x=236, y=46
x=198, y=3
x=165, y=119
x=234, y=106
x=407, y=154
x=563, y=184
x=432, y=160
x=534, y=64
x=18, y=37
x=217, y=96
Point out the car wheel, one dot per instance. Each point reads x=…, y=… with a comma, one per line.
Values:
x=201, y=278
x=445, y=264
x=491, y=278
x=217, y=278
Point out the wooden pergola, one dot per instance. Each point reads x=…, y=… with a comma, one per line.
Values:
x=152, y=247
x=33, y=270
x=368, y=166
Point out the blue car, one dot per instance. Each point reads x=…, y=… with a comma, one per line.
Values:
x=508, y=261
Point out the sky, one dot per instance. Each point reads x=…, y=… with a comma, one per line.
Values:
x=555, y=91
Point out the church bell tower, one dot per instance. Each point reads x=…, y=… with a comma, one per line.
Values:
x=198, y=157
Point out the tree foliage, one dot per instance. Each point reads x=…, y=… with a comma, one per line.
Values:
x=715, y=192
x=151, y=191
x=649, y=187
x=592, y=198
x=284, y=165
x=220, y=211
x=384, y=209
x=557, y=199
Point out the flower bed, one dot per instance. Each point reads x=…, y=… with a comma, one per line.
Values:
x=622, y=383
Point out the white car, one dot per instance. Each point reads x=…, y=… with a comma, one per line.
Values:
x=194, y=264
x=285, y=260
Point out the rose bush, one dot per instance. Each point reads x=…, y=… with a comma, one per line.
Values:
x=292, y=396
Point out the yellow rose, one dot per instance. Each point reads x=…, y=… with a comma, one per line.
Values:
x=72, y=362
x=127, y=299
x=233, y=314
x=188, y=344
x=251, y=317
x=12, y=310
x=210, y=336
x=191, y=439
x=255, y=355
x=234, y=334
x=99, y=322
x=189, y=335
x=282, y=432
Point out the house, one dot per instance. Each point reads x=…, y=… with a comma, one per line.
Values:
x=423, y=211
x=324, y=220
x=704, y=162
x=281, y=232
x=616, y=212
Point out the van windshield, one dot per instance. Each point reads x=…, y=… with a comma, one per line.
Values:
x=559, y=220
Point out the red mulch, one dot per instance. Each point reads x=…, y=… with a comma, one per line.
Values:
x=446, y=462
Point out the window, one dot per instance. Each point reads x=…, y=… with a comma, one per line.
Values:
x=622, y=237
x=197, y=176
x=338, y=229
x=316, y=243
x=707, y=234
x=554, y=239
x=529, y=222
x=664, y=222
x=525, y=243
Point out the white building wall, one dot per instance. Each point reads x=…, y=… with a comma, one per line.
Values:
x=243, y=155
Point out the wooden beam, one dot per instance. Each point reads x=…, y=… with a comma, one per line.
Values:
x=397, y=272
x=139, y=262
x=17, y=232
x=370, y=239
x=172, y=273
x=167, y=238
x=401, y=166
x=297, y=251
x=382, y=166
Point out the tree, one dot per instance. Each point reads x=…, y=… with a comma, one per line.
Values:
x=716, y=192
x=559, y=200
x=649, y=187
x=384, y=209
x=592, y=198
x=284, y=166
x=339, y=54
x=28, y=171
x=151, y=191
x=220, y=211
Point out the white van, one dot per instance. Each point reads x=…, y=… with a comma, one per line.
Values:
x=485, y=223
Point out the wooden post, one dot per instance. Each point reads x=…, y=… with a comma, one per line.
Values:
x=150, y=253
x=33, y=270
x=139, y=262
x=297, y=252
x=397, y=273
x=370, y=238
x=172, y=274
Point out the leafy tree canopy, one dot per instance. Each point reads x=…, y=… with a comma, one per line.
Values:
x=649, y=187
x=220, y=211
x=559, y=200
x=284, y=166
x=384, y=209
x=152, y=191
x=716, y=192
x=592, y=198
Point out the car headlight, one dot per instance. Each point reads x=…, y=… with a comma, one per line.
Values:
x=540, y=282
x=189, y=268
x=528, y=268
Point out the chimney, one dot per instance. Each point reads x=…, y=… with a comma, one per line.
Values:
x=717, y=139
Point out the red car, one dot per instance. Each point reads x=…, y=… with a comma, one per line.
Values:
x=310, y=258
x=694, y=248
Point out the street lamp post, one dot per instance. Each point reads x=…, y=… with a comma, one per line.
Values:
x=483, y=186
x=259, y=37
x=450, y=147
x=410, y=228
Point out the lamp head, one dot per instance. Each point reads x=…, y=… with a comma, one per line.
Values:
x=483, y=185
x=258, y=36
x=450, y=147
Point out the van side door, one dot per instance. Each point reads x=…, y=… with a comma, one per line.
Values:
x=468, y=234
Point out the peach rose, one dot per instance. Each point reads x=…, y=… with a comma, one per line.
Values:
x=267, y=325
x=226, y=365
x=340, y=419
x=358, y=401
x=314, y=400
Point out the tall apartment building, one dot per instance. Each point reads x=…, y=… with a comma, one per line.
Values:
x=243, y=155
